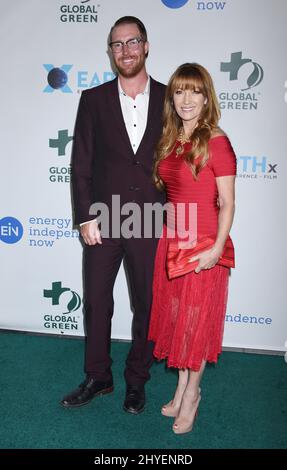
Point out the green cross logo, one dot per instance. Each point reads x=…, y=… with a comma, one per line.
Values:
x=56, y=292
x=62, y=142
x=235, y=64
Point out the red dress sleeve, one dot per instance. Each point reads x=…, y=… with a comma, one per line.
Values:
x=222, y=159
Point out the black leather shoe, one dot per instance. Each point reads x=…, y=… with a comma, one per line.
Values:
x=135, y=399
x=86, y=391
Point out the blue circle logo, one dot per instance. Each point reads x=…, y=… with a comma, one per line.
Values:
x=57, y=78
x=11, y=230
x=174, y=3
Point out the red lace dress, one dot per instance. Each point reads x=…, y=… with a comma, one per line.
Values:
x=188, y=312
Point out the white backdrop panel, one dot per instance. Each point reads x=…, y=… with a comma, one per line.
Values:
x=41, y=274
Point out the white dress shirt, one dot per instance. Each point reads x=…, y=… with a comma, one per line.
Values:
x=135, y=114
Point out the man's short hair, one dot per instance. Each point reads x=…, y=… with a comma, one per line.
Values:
x=130, y=20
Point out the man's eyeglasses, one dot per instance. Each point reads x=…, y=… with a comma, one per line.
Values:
x=132, y=45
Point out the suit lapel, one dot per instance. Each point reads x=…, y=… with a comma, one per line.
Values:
x=152, y=108
x=116, y=113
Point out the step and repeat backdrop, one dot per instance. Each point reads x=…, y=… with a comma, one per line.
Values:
x=52, y=50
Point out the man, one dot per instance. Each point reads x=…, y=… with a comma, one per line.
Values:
x=117, y=128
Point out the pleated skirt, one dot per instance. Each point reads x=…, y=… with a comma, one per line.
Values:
x=188, y=313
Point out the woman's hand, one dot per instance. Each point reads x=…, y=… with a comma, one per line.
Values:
x=207, y=259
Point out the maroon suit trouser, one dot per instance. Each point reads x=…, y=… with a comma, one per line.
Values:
x=101, y=265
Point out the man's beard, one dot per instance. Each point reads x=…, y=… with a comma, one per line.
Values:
x=133, y=71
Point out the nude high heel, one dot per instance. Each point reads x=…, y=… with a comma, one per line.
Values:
x=170, y=410
x=186, y=425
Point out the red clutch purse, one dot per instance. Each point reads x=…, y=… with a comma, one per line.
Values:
x=180, y=252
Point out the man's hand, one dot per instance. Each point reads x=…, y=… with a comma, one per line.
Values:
x=90, y=233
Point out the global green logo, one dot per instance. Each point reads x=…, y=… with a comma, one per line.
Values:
x=56, y=292
x=236, y=63
x=85, y=12
x=62, y=298
x=61, y=142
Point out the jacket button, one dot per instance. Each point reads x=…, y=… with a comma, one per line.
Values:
x=131, y=188
x=136, y=162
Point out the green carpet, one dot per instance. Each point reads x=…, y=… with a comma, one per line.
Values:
x=243, y=402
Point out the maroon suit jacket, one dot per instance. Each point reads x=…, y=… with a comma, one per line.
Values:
x=103, y=162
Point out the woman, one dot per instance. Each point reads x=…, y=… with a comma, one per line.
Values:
x=196, y=164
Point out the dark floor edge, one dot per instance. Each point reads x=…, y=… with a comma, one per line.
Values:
x=117, y=340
